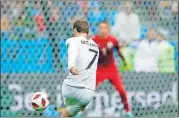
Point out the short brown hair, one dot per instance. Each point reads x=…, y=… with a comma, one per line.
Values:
x=81, y=26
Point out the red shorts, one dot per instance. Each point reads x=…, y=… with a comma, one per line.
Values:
x=110, y=73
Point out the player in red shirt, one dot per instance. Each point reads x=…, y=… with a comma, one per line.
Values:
x=107, y=68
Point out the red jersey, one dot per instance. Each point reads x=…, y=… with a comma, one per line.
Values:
x=106, y=47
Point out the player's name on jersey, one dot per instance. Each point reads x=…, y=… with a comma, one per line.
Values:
x=88, y=43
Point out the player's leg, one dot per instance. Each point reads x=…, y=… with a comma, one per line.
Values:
x=71, y=110
x=100, y=76
x=68, y=101
x=80, y=113
x=116, y=80
x=85, y=99
x=75, y=99
x=65, y=113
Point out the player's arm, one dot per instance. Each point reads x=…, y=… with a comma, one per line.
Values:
x=72, y=55
x=125, y=65
x=118, y=47
x=120, y=53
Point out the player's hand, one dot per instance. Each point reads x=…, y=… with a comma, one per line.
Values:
x=125, y=66
x=74, y=71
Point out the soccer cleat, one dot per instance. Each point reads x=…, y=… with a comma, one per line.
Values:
x=128, y=115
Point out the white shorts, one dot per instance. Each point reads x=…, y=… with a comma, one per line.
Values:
x=76, y=98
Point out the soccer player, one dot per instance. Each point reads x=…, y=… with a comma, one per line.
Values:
x=107, y=68
x=78, y=88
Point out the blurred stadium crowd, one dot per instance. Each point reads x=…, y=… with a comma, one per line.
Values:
x=149, y=35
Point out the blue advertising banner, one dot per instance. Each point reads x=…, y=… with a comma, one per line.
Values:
x=26, y=56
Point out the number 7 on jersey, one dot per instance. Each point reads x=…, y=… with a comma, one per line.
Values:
x=92, y=61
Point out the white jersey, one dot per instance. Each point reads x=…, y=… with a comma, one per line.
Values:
x=83, y=54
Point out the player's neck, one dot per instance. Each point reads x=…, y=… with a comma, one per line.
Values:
x=81, y=34
x=127, y=13
x=103, y=37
